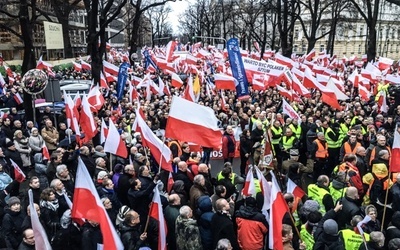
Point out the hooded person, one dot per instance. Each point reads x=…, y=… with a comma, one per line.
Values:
x=40, y=170
x=68, y=237
x=204, y=215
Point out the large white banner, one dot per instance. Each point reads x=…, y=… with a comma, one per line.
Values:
x=273, y=69
x=53, y=34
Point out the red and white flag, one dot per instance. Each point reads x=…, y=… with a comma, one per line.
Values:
x=382, y=103
x=384, y=63
x=284, y=60
x=72, y=114
x=133, y=94
x=170, y=183
x=87, y=121
x=95, y=98
x=223, y=81
x=160, y=151
x=77, y=66
x=45, y=152
x=196, y=123
x=277, y=212
x=161, y=86
x=287, y=109
x=176, y=80
x=294, y=189
x=188, y=93
x=395, y=157
x=114, y=143
x=41, y=240
x=310, y=55
x=258, y=85
x=156, y=213
x=249, y=188
x=85, y=65
x=43, y=65
x=103, y=131
x=103, y=81
x=110, y=68
x=18, y=173
x=18, y=98
x=171, y=46
x=88, y=205
x=364, y=93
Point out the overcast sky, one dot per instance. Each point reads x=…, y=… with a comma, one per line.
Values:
x=178, y=8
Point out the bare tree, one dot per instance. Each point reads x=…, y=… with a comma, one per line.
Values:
x=287, y=13
x=161, y=28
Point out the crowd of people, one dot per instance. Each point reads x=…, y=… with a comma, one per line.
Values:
x=339, y=158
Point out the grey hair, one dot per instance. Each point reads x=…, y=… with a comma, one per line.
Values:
x=198, y=178
x=61, y=168
x=377, y=236
x=223, y=244
x=184, y=211
x=53, y=183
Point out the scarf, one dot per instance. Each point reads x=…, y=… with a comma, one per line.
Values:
x=52, y=205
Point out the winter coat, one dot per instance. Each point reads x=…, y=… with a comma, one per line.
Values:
x=48, y=135
x=139, y=200
x=205, y=215
x=15, y=156
x=171, y=212
x=350, y=208
x=40, y=170
x=49, y=215
x=123, y=188
x=252, y=227
x=91, y=237
x=228, y=145
x=69, y=238
x=195, y=192
x=23, y=148
x=179, y=189
x=36, y=143
x=187, y=234
x=130, y=236
x=222, y=227
x=12, y=228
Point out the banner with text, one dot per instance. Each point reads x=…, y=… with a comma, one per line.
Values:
x=238, y=72
x=53, y=33
x=269, y=68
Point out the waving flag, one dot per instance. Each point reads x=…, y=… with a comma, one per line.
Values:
x=87, y=121
x=176, y=80
x=294, y=189
x=18, y=173
x=45, y=152
x=72, y=114
x=249, y=188
x=237, y=66
x=223, y=81
x=395, y=158
x=41, y=240
x=114, y=143
x=156, y=212
x=87, y=205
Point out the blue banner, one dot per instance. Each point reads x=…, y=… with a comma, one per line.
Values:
x=238, y=72
x=148, y=61
x=122, y=78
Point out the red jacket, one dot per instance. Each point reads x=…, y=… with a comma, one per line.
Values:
x=228, y=143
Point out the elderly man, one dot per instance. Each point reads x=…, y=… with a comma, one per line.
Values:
x=171, y=212
x=124, y=185
x=198, y=189
x=50, y=136
x=131, y=235
x=350, y=207
x=320, y=193
x=186, y=230
x=184, y=175
x=228, y=145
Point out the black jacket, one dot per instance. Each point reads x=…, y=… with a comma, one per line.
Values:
x=139, y=201
x=350, y=208
x=130, y=236
x=91, y=236
x=12, y=227
x=123, y=187
x=222, y=227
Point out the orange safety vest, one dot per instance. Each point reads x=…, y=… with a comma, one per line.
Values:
x=372, y=157
x=342, y=167
x=348, y=150
x=178, y=145
x=322, y=151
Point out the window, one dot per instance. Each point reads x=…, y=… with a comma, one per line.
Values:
x=361, y=31
x=359, y=48
x=321, y=48
x=295, y=48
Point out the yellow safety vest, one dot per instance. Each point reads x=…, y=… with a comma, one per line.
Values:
x=276, y=131
x=307, y=238
x=353, y=240
x=297, y=130
x=332, y=143
x=316, y=193
x=287, y=143
x=343, y=131
x=220, y=177
x=336, y=193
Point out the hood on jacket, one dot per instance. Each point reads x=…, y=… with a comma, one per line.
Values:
x=338, y=184
x=179, y=186
x=204, y=204
x=38, y=158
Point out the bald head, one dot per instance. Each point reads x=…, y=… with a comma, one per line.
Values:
x=182, y=166
x=203, y=168
x=352, y=193
x=323, y=180
x=174, y=199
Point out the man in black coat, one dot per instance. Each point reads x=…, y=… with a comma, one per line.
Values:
x=124, y=185
x=182, y=175
x=91, y=235
x=131, y=233
x=222, y=225
x=350, y=207
x=88, y=160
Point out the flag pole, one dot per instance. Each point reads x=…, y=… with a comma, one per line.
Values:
x=386, y=198
x=161, y=155
x=294, y=223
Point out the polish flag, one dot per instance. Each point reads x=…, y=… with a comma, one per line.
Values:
x=87, y=205
x=133, y=94
x=72, y=114
x=18, y=98
x=45, y=152
x=364, y=93
x=364, y=58
x=309, y=80
x=382, y=103
x=87, y=121
x=110, y=68
x=156, y=213
x=95, y=98
x=103, y=131
x=354, y=78
x=249, y=188
x=294, y=189
x=257, y=85
x=395, y=154
x=103, y=81
x=170, y=183
x=18, y=173
x=310, y=55
x=110, y=78
x=136, y=80
x=2, y=81
x=77, y=66
x=196, y=123
x=287, y=109
x=85, y=65
x=223, y=102
x=41, y=240
x=299, y=88
x=161, y=86
x=384, y=63
x=78, y=101
x=190, y=59
x=395, y=79
x=284, y=92
x=160, y=151
x=223, y=81
x=188, y=93
x=284, y=60
x=176, y=80
x=277, y=212
x=43, y=65
x=171, y=46
x=114, y=143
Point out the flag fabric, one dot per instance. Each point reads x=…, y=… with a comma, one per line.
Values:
x=287, y=109
x=103, y=131
x=310, y=55
x=133, y=94
x=45, y=152
x=170, y=183
x=382, y=103
x=43, y=65
x=87, y=121
x=18, y=173
x=277, y=212
x=395, y=154
x=160, y=151
x=196, y=123
x=384, y=63
x=95, y=98
x=156, y=213
x=294, y=189
x=268, y=153
x=249, y=188
x=18, y=98
x=87, y=205
x=41, y=240
x=103, y=81
x=71, y=113
x=223, y=81
x=176, y=80
x=188, y=93
x=122, y=78
x=85, y=65
x=283, y=60
x=114, y=143
x=77, y=66
x=238, y=70
x=110, y=68
x=258, y=85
